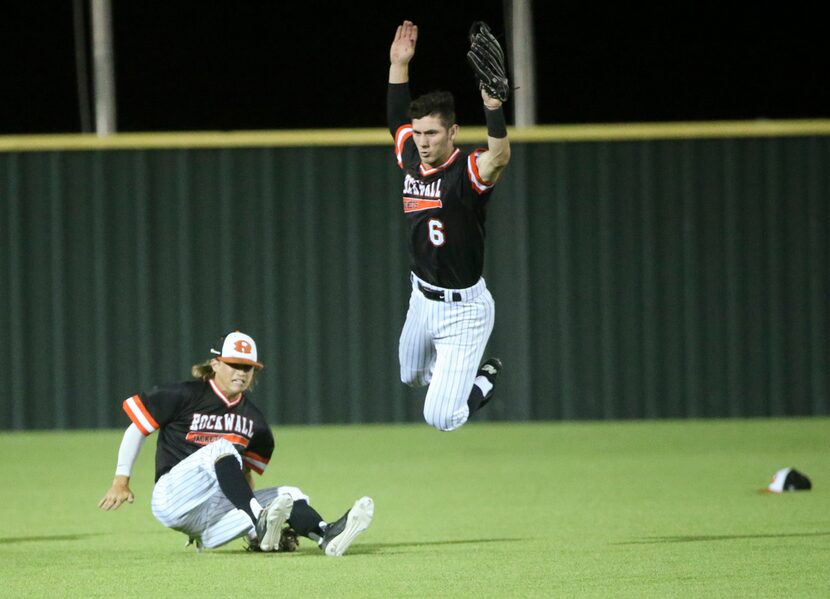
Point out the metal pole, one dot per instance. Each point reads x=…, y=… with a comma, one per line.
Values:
x=105, y=122
x=519, y=15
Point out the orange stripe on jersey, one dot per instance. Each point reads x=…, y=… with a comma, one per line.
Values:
x=144, y=411
x=403, y=133
x=255, y=467
x=139, y=415
x=255, y=461
x=236, y=439
x=479, y=184
x=418, y=204
x=205, y=438
x=256, y=457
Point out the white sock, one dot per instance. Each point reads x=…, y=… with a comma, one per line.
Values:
x=483, y=384
x=255, y=508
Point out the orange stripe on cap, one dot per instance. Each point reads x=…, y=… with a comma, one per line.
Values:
x=254, y=363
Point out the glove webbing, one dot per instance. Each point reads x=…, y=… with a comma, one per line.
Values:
x=487, y=61
x=490, y=44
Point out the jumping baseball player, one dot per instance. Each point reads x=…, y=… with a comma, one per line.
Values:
x=211, y=437
x=445, y=196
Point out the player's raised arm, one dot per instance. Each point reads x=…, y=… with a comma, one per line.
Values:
x=487, y=61
x=397, y=93
x=402, y=51
x=492, y=162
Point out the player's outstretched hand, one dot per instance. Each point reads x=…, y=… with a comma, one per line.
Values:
x=118, y=493
x=403, y=46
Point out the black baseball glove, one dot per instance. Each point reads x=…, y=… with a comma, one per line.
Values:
x=487, y=60
x=289, y=541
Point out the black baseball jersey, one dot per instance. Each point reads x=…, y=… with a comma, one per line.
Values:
x=445, y=206
x=193, y=414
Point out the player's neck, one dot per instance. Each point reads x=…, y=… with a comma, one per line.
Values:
x=440, y=161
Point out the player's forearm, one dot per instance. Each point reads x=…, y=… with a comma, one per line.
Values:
x=399, y=73
x=397, y=105
x=128, y=452
x=499, y=151
x=492, y=162
x=498, y=144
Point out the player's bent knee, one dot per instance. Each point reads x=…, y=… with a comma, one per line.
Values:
x=295, y=492
x=444, y=423
x=413, y=378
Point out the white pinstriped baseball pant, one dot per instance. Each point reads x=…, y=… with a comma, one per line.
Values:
x=188, y=498
x=441, y=345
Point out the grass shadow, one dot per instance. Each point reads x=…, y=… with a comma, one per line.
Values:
x=373, y=547
x=38, y=539
x=403, y=547
x=701, y=538
x=307, y=549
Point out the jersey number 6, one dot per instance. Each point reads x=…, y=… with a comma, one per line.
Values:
x=436, y=232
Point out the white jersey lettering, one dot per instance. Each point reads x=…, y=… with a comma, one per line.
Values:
x=229, y=418
x=229, y=423
x=413, y=187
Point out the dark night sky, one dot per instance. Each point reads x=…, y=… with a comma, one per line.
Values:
x=275, y=65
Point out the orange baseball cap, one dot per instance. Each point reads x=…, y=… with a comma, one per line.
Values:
x=237, y=348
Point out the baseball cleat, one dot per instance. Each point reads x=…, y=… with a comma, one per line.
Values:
x=341, y=533
x=489, y=370
x=270, y=521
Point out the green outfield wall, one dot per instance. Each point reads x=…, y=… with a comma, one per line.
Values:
x=649, y=271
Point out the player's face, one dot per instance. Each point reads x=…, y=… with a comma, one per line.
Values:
x=434, y=141
x=232, y=379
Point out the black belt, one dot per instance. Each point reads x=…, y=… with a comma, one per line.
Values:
x=436, y=295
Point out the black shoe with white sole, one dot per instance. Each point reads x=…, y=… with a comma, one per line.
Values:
x=341, y=533
x=490, y=370
x=270, y=521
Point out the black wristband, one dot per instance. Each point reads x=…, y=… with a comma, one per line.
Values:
x=496, y=126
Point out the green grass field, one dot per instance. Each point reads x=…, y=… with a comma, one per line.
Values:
x=617, y=509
